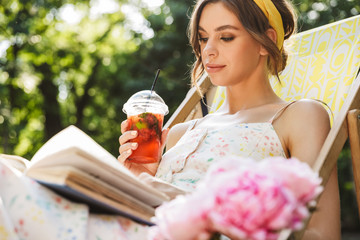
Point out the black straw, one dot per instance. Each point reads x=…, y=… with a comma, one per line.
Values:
x=156, y=77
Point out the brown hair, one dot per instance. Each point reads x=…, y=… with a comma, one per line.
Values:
x=255, y=22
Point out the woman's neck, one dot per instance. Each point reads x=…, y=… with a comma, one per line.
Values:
x=249, y=94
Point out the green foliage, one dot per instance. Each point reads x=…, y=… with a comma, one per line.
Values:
x=312, y=13
x=349, y=208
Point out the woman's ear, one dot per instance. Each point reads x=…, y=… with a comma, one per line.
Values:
x=271, y=33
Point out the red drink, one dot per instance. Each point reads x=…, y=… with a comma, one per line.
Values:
x=149, y=127
x=145, y=112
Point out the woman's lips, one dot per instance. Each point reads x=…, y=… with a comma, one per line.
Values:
x=213, y=68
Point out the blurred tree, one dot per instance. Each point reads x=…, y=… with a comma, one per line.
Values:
x=313, y=13
x=52, y=67
x=60, y=69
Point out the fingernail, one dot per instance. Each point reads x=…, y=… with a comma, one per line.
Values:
x=134, y=133
x=134, y=145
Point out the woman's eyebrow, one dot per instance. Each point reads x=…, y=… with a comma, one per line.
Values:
x=221, y=28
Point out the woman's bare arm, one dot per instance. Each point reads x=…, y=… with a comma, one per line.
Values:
x=306, y=126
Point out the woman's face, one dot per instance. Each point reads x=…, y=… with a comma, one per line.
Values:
x=229, y=53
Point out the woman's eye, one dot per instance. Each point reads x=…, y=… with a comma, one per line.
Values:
x=227, y=39
x=203, y=40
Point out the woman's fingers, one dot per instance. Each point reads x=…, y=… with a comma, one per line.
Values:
x=126, y=136
x=124, y=126
x=126, y=150
x=124, y=155
x=125, y=147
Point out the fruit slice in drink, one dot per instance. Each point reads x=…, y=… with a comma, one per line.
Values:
x=149, y=127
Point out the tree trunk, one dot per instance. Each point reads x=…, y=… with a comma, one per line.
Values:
x=51, y=107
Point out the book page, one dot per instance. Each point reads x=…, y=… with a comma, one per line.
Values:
x=15, y=161
x=72, y=147
x=73, y=137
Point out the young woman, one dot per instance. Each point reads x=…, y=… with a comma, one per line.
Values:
x=239, y=43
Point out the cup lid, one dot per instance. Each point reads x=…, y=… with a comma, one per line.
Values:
x=145, y=101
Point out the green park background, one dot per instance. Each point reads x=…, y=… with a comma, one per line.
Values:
x=76, y=62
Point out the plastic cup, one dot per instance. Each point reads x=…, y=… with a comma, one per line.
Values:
x=145, y=113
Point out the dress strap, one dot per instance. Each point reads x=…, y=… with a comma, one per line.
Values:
x=327, y=106
x=280, y=111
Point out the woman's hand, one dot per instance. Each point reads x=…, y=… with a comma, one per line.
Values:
x=126, y=149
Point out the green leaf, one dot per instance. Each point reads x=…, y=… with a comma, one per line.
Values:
x=141, y=125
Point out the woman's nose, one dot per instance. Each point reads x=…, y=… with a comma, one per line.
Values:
x=210, y=49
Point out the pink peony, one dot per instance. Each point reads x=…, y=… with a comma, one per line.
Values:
x=177, y=220
x=252, y=204
x=298, y=176
x=243, y=198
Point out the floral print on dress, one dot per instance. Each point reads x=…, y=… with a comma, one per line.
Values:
x=181, y=153
x=255, y=140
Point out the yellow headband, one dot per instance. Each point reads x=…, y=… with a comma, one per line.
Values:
x=274, y=17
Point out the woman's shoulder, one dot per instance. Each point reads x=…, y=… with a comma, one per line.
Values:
x=305, y=125
x=307, y=110
x=303, y=115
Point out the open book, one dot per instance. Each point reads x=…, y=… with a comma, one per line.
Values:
x=75, y=166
